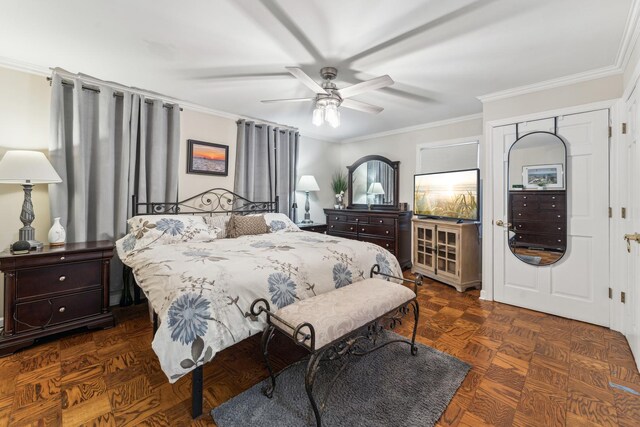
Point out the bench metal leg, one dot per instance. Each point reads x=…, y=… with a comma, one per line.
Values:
x=196, y=392
x=309, y=379
x=416, y=315
x=266, y=338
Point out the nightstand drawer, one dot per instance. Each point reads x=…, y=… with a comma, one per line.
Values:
x=59, y=278
x=52, y=311
x=33, y=257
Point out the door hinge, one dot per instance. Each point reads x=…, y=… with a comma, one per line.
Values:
x=610, y=132
x=624, y=128
x=623, y=212
x=610, y=293
x=622, y=297
x=610, y=212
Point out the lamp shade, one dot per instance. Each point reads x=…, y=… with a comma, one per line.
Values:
x=27, y=167
x=375, y=188
x=307, y=183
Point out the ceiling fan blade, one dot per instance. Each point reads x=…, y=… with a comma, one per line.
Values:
x=288, y=100
x=373, y=84
x=305, y=79
x=361, y=106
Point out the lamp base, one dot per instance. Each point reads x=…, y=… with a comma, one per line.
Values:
x=306, y=221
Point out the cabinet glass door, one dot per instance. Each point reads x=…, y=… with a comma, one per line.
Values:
x=425, y=242
x=447, y=255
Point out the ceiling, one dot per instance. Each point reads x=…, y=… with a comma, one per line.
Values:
x=227, y=55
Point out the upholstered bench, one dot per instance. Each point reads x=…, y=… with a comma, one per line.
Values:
x=344, y=321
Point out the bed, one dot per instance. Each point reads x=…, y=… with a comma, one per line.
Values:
x=200, y=285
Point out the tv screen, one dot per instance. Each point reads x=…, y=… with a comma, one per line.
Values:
x=447, y=194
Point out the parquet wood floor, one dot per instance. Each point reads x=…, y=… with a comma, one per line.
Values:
x=529, y=369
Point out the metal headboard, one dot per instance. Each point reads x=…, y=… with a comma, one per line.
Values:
x=214, y=201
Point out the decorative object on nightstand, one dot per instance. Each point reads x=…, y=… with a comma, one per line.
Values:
x=57, y=235
x=27, y=168
x=55, y=290
x=375, y=189
x=307, y=183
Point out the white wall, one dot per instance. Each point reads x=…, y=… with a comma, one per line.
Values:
x=402, y=147
x=320, y=159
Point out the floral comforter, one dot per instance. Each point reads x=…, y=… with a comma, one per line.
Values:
x=202, y=291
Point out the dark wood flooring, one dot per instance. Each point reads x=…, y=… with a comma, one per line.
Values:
x=529, y=369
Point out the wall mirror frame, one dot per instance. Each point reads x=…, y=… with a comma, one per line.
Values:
x=537, y=198
x=358, y=187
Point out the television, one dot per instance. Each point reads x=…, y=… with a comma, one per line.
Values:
x=447, y=195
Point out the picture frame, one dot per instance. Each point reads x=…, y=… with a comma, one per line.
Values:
x=207, y=158
x=546, y=176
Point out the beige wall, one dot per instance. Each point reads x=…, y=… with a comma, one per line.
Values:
x=550, y=99
x=403, y=147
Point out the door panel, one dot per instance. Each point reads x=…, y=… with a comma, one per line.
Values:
x=576, y=286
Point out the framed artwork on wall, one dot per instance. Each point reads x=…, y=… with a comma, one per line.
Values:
x=207, y=158
x=547, y=176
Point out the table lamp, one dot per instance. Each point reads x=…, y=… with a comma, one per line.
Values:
x=27, y=168
x=374, y=189
x=307, y=183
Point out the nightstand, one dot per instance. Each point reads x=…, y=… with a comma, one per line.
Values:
x=55, y=290
x=315, y=227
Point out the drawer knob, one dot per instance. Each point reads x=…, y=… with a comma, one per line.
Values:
x=381, y=221
x=336, y=218
x=524, y=204
x=559, y=228
x=62, y=309
x=362, y=230
x=350, y=228
x=386, y=232
x=553, y=206
x=559, y=240
x=524, y=197
x=559, y=216
x=61, y=258
x=519, y=214
x=387, y=245
x=553, y=198
x=62, y=278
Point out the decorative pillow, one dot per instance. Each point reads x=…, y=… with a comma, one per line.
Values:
x=219, y=223
x=148, y=230
x=279, y=223
x=246, y=225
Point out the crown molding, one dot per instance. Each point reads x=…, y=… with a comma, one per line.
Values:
x=26, y=67
x=550, y=84
x=428, y=125
x=629, y=36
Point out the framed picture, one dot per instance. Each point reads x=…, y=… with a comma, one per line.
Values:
x=547, y=176
x=207, y=158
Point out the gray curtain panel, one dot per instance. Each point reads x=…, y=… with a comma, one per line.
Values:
x=106, y=148
x=266, y=164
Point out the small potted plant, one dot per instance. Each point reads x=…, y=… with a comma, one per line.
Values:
x=339, y=186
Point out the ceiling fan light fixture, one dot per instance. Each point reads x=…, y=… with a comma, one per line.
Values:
x=318, y=116
x=332, y=115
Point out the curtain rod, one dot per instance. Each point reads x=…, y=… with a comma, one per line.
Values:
x=260, y=126
x=115, y=93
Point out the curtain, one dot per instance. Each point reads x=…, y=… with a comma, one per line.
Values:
x=106, y=147
x=266, y=164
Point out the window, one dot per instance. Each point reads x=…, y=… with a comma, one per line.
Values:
x=447, y=156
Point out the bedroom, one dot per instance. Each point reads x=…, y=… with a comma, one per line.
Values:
x=467, y=75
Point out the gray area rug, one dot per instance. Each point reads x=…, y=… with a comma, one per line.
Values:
x=388, y=387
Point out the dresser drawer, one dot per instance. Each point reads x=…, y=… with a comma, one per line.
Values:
x=382, y=220
x=58, y=278
x=524, y=198
x=547, y=240
x=336, y=218
x=384, y=243
x=360, y=219
x=539, y=227
x=552, y=205
x=538, y=215
x=378, y=230
x=343, y=227
x=36, y=314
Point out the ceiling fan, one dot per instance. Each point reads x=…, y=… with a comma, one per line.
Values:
x=328, y=97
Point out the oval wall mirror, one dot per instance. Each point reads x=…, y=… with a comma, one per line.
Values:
x=537, y=198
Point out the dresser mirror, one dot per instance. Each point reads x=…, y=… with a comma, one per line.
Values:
x=373, y=181
x=537, y=198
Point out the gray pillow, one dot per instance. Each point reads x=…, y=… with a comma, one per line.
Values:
x=246, y=225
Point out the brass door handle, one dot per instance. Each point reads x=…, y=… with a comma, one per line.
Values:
x=500, y=223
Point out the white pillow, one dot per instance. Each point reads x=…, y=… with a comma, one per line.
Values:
x=279, y=223
x=219, y=223
x=151, y=230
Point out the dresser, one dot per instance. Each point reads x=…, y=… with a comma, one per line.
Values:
x=390, y=229
x=55, y=290
x=538, y=219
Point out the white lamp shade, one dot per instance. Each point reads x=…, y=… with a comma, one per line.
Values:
x=375, y=188
x=307, y=183
x=27, y=167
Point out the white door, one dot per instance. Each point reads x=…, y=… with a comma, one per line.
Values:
x=576, y=286
x=631, y=226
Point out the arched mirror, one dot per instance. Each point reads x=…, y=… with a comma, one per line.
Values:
x=373, y=181
x=537, y=199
